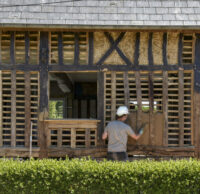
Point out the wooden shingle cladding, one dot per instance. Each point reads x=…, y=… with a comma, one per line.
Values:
x=153, y=70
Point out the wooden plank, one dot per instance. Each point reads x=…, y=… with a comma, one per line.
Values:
x=100, y=103
x=181, y=106
x=116, y=67
x=111, y=49
x=43, y=104
x=59, y=136
x=13, y=108
x=60, y=48
x=151, y=111
x=87, y=138
x=91, y=48
x=113, y=94
x=126, y=89
x=164, y=48
x=0, y=48
x=165, y=107
x=150, y=50
x=180, y=49
x=27, y=48
x=197, y=97
x=139, y=99
x=137, y=49
x=27, y=108
x=76, y=50
x=12, y=48
x=73, y=138
x=1, y=127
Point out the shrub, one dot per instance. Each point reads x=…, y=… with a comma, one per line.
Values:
x=88, y=176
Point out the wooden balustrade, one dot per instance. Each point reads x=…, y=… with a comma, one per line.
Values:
x=72, y=133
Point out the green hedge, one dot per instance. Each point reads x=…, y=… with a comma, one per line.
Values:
x=87, y=176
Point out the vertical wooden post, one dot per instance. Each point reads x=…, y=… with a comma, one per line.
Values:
x=113, y=95
x=151, y=110
x=164, y=49
x=165, y=107
x=59, y=138
x=180, y=49
x=126, y=90
x=91, y=48
x=60, y=48
x=150, y=50
x=12, y=48
x=1, y=139
x=181, y=106
x=87, y=138
x=43, y=105
x=76, y=55
x=27, y=108
x=13, y=108
x=139, y=99
x=27, y=48
x=137, y=49
x=197, y=97
x=100, y=104
x=73, y=138
x=0, y=46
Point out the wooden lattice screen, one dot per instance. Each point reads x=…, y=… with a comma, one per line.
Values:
x=65, y=45
x=133, y=89
x=25, y=43
x=188, y=48
x=19, y=100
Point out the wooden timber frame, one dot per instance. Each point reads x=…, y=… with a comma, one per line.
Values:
x=157, y=71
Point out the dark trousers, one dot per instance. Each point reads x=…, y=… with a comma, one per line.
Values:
x=118, y=156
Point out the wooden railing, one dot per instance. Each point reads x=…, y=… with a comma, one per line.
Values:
x=72, y=133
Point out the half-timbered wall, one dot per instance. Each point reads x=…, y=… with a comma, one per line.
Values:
x=149, y=71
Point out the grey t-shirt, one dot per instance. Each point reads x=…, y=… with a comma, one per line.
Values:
x=117, y=136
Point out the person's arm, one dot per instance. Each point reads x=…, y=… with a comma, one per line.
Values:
x=136, y=137
x=105, y=135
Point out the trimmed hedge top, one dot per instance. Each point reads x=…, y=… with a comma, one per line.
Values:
x=88, y=176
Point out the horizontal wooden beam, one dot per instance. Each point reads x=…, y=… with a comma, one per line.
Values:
x=57, y=68
x=20, y=67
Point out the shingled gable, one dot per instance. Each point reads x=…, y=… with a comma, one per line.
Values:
x=87, y=13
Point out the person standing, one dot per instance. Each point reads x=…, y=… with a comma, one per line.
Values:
x=117, y=133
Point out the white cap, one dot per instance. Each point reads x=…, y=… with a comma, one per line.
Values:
x=122, y=110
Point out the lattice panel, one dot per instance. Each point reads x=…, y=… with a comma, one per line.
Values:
x=20, y=109
x=34, y=87
x=34, y=43
x=20, y=47
x=5, y=47
x=158, y=91
x=187, y=52
x=173, y=109
x=188, y=118
x=6, y=108
x=144, y=80
x=73, y=137
x=132, y=91
x=54, y=48
x=174, y=102
x=83, y=48
x=107, y=97
x=68, y=48
x=14, y=127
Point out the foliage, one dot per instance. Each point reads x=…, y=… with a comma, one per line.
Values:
x=87, y=176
